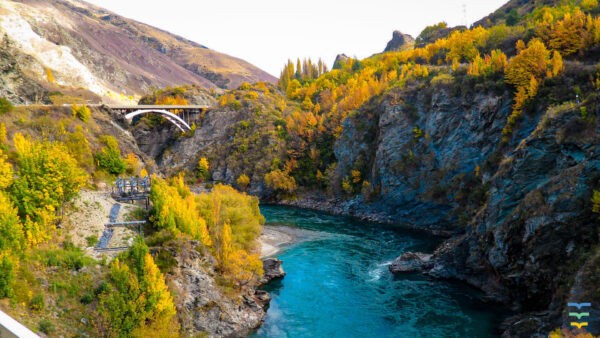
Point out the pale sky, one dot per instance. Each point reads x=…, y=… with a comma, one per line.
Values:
x=268, y=32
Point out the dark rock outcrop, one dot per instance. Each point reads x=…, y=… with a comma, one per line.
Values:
x=339, y=60
x=272, y=270
x=410, y=262
x=400, y=42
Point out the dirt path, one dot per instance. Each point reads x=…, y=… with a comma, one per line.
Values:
x=88, y=215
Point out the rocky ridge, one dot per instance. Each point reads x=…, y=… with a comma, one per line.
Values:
x=112, y=56
x=399, y=42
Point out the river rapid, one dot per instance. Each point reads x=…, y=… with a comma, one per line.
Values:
x=338, y=284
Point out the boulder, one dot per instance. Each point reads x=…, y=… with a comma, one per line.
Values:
x=411, y=261
x=272, y=268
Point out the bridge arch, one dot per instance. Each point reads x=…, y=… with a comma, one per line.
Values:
x=176, y=120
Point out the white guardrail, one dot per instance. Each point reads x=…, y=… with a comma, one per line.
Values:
x=11, y=328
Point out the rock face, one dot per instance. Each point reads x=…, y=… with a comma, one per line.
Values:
x=272, y=268
x=202, y=306
x=339, y=59
x=410, y=262
x=418, y=145
x=15, y=85
x=90, y=47
x=399, y=42
x=235, y=140
x=526, y=234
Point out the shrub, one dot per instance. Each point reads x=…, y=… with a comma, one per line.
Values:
x=87, y=298
x=92, y=240
x=202, y=169
x=442, y=79
x=243, y=181
x=280, y=181
x=5, y=106
x=109, y=157
x=46, y=326
x=132, y=163
x=6, y=172
x=79, y=147
x=3, y=138
x=7, y=276
x=81, y=112
x=37, y=303
x=589, y=4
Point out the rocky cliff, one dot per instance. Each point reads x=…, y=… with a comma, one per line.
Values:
x=529, y=237
x=111, y=56
x=203, y=305
x=399, y=42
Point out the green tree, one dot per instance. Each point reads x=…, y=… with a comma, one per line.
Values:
x=5, y=106
x=109, y=157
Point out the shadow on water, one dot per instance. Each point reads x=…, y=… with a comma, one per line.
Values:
x=339, y=285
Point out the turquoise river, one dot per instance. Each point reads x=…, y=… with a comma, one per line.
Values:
x=338, y=284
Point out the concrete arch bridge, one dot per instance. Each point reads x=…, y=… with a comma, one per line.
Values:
x=186, y=115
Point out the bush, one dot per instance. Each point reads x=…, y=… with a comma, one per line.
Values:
x=46, y=326
x=87, y=298
x=5, y=106
x=92, y=240
x=102, y=288
x=72, y=258
x=79, y=147
x=109, y=157
x=7, y=277
x=202, y=169
x=243, y=181
x=442, y=79
x=37, y=303
x=81, y=112
x=280, y=181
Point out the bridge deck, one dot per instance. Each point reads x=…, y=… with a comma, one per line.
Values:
x=152, y=106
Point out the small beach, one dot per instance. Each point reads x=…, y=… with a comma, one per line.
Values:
x=273, y=238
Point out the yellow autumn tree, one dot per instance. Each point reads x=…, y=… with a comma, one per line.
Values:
x=557, y=65
x=244, y=268
x=175, y=209
x=243, y=181
x=47, y=177
x=224, y=246
x=49, y=75
x=132, y=163
x=531, y=61
x=202, y=168
x=280, y=181
x=3, y=138
x=6, y=172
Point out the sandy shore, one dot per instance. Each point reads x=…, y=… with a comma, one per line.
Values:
x=273, y=238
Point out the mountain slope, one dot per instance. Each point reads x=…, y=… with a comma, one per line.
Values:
x=87, y=46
